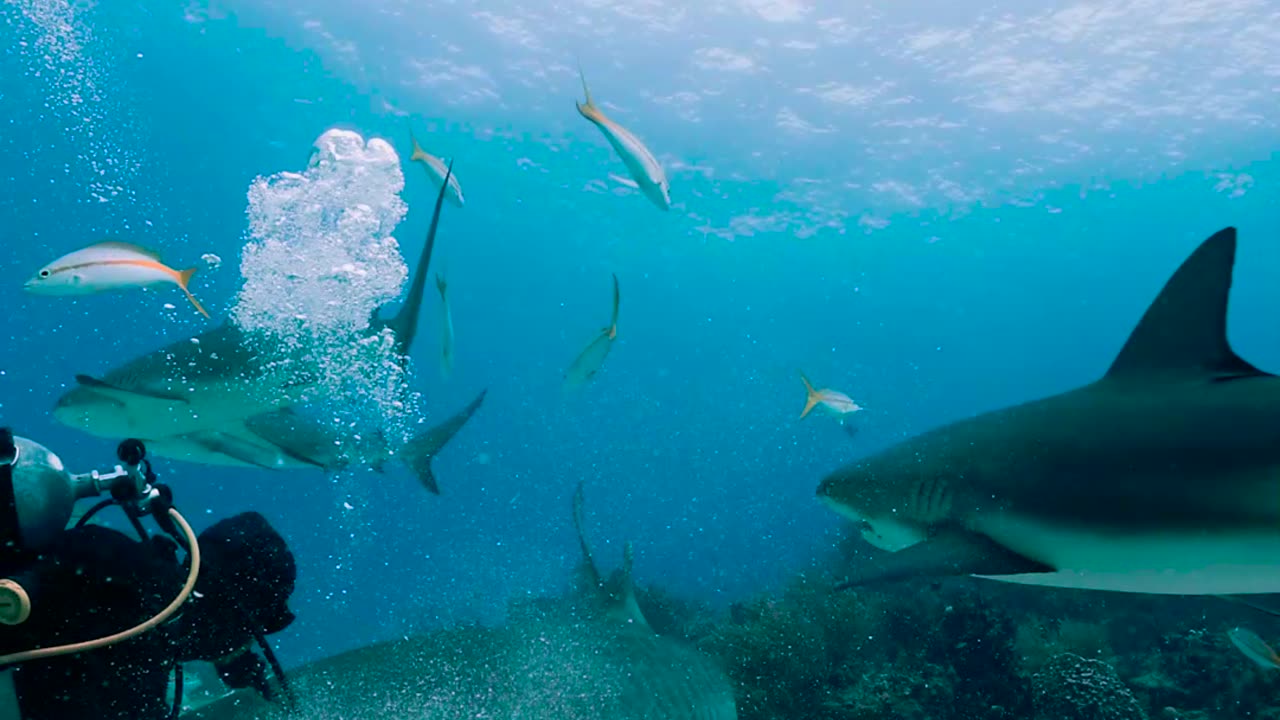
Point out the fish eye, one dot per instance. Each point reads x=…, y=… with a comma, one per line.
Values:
x=44, y=273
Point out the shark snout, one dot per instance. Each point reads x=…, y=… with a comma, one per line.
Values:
x=824, y=488
x=831, y=493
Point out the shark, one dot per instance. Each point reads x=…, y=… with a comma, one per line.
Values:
x=594, y=655
x=1161, y=477
x=216, y=377
x=227, y=396
x=287, y=439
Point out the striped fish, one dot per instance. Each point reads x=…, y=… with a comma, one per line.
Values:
x=646, y=173
x=108, y=266
x=437, y=171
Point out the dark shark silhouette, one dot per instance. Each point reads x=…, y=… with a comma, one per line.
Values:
x=597, y=657
x=1161, y=477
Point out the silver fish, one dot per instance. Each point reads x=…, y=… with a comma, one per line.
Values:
x=646, y=172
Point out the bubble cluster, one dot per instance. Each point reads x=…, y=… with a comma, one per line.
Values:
x=320, y=261
x=56, y=43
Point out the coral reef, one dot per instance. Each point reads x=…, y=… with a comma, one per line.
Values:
x=976, y=638
x=792, y=655
x=1070, y=687
x=1038, y=640
x=968, y=649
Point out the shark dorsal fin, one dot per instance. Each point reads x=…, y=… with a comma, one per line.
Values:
x=404, y=326
x=623, y=607
x=588, y=562
x=617, y=595
x=1185, y=328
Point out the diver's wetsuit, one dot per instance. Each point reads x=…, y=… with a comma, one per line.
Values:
x=94, y=581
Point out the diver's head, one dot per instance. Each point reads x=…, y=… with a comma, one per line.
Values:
x=869, y=497
x=84, y=409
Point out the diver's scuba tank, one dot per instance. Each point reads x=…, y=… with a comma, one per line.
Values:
x=37, y=495
x=37, y=498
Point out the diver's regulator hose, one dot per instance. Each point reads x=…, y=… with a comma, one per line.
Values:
x=158, y=619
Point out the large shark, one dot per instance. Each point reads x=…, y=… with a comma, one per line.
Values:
x=1161, y=477
x=223, y=396
x=596, y=658
x=218, y=377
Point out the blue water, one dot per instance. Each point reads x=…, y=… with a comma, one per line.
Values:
x=978, y=283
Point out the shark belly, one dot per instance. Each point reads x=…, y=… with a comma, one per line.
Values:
x=1206, y=561
x=223, y=449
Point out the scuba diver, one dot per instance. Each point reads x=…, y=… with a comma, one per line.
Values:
x=92, y=621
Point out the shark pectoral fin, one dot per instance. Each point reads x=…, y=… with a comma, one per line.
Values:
x=263, y=431
x=947, y=553
x=1185, y=328
x=1251, y=603
x=127, y=395
x=236, y=449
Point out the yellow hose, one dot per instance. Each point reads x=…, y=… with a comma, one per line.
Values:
x=159, y=618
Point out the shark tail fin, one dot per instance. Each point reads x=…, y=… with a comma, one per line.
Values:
x=441, y=285
x=404, y=326
x=418, y=453
x=184, y=280
x=812, y=397
x=1185, y=328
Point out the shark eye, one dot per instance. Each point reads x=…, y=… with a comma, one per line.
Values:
x=44, y=273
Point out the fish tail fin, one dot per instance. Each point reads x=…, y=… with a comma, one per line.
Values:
x=421, y=449
x=440, y=284
x=613, y=321
x=417, y=153
x=587, y=108
x=812, y=398
x=184, y=279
